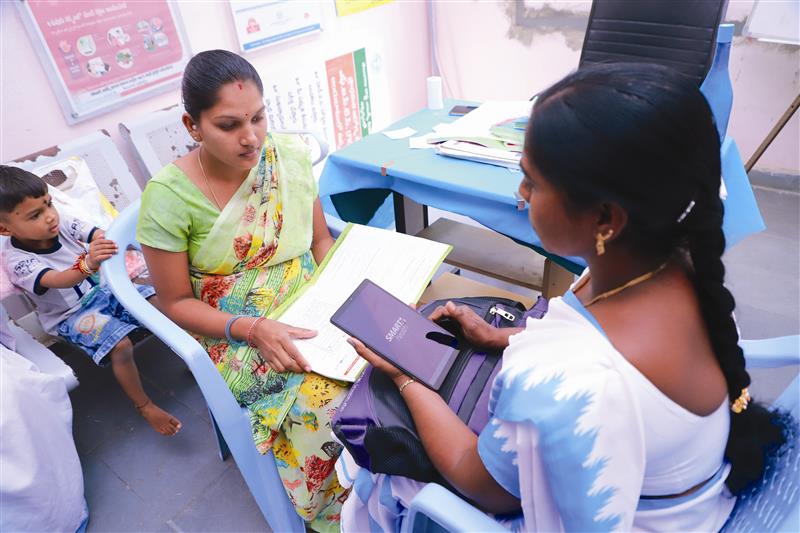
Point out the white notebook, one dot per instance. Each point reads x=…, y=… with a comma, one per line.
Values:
x=402, y=264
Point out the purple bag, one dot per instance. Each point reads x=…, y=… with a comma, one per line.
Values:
x=374, y=423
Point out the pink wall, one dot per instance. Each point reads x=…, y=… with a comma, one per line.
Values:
x=483, y=54
x=31, y=119
x=477, y=44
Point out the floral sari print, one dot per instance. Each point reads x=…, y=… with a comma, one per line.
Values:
x=256, y=255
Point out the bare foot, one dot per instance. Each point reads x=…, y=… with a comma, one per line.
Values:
x=160, y=420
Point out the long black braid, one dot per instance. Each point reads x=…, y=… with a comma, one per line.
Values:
x=643, y=137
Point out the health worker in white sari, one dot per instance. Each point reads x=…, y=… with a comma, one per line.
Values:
x=626, y=406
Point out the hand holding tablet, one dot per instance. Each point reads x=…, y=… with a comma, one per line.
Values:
x=397, y=333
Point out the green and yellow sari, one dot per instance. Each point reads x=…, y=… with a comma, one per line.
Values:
x=247, y=260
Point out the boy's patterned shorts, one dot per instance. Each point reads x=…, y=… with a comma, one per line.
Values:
x=100, y=323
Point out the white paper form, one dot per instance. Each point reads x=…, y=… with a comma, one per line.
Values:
x=402, y=133
x=477, y=122
x=401, y=264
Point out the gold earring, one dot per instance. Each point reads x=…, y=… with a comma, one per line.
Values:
x=600, y=243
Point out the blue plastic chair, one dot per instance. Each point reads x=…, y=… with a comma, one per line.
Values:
x=773, y=506
x=231, y=422
x=716, y=86
x=746, y=218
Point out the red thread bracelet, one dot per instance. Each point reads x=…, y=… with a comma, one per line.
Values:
x=85, y=268
x=82, y=265
x=250, y=331
x=77, y=264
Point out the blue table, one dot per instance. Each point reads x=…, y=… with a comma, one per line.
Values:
x=482, y=192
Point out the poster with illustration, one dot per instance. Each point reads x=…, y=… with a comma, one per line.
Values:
x=260, y=24
x=101, y=54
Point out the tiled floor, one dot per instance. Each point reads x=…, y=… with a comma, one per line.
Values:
x=137, y=480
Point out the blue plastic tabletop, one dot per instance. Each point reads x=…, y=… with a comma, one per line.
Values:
x=483, y=192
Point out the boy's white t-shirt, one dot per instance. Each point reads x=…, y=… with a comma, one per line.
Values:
x=25, y=268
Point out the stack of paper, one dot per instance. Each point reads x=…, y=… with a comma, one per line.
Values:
x=401, y=264
x=495, y=143
x=512, y=131
x=478, y=123
x=489, y=134
x=479, y=154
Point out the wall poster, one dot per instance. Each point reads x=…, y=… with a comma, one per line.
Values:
x=260, y=24
x=349, y=7
x=101, y=54
x=341, y=98
x=351, y=109
x=298, y=100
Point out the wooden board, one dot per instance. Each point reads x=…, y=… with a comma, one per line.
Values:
x=488, y=253
x=451, y=286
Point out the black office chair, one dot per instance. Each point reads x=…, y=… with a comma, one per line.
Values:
x=678, y=33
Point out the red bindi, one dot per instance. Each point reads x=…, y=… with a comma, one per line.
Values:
x=240, y=86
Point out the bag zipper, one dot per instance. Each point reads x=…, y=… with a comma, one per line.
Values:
x=502, y=313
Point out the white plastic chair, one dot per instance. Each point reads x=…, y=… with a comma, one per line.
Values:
x=117, y=184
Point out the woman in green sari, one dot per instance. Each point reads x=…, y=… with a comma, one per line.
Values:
x=229, y=232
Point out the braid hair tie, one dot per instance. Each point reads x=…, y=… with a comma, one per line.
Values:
x=740, y=404
x=686, y=211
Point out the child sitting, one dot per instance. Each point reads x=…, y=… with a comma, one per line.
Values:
x=45, y=256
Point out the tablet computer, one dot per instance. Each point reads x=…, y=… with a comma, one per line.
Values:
x=398, y=333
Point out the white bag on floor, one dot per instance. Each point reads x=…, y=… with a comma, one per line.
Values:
x=41, y=487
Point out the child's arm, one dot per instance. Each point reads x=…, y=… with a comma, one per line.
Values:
x=62, y=279
x=97, y=234
x=100, y=249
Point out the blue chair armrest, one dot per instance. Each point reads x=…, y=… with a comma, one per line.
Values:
x=789, y=400
x=335, y=225
x=436, y=503
x=742, y=215
x=216, y=392
x=772, y=352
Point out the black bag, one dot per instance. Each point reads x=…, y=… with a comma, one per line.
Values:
x=374, y=423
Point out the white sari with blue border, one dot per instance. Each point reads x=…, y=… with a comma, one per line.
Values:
x=566, y=436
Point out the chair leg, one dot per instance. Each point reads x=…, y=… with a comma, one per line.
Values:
x=222, y=446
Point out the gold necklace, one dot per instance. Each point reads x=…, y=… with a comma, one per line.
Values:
x=200, y=160
x=635, y=281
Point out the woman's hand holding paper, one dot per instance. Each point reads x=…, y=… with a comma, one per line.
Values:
x=274, y=342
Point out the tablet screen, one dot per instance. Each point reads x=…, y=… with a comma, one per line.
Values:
x=398, y=333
